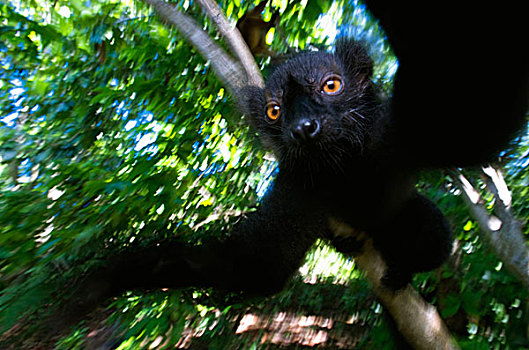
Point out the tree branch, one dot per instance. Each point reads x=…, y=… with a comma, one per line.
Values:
x=504, y=236
x=418, y=321
x=230, y=72
x=235, y=41
x=498, y=187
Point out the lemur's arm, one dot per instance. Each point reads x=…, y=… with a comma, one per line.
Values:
x=263, y=250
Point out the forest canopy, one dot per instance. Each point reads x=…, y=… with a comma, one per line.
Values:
x=116, y=133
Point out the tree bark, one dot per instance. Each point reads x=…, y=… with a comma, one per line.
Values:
x=502, y=234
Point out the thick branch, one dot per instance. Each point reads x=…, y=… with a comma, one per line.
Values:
x=503, y=237
x=228, y=70
x=235, y=41
x=418, y=321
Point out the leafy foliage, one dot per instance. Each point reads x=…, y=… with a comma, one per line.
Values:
x=114, y=133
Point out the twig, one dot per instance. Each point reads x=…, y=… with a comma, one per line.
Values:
x=497, y=186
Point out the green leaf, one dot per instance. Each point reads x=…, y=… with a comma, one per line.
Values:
x=451, y=304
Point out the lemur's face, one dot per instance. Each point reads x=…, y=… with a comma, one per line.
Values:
x=315, y=111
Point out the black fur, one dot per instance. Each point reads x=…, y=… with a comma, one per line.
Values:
x=462, y=88
x=353, y=169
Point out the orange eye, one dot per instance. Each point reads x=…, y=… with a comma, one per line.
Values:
x=273, y=111
x=332, y=86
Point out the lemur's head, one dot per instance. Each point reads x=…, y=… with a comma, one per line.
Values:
x=317, y=108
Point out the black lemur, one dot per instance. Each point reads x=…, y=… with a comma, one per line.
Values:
x=339, y=161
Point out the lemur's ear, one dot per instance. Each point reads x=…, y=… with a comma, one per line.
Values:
x=354, y=58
